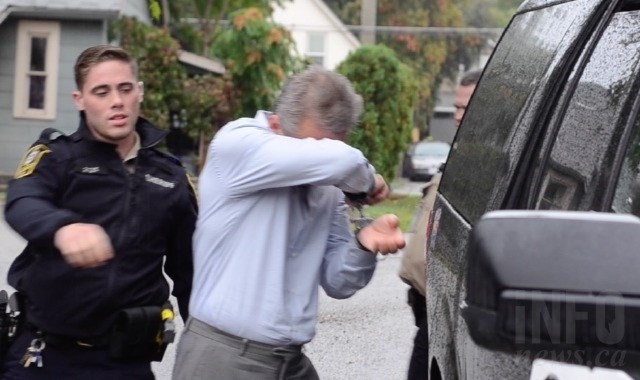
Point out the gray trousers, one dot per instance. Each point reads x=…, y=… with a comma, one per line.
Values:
x=205, y=352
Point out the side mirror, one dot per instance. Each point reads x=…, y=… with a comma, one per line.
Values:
x=555, y=282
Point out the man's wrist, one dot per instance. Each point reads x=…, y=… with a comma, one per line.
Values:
x=360, y=246
x=361, y=224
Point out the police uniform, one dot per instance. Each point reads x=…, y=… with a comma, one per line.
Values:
x=148, y=211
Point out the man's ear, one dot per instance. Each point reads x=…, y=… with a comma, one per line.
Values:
x=274, y=124
x=141, y=95
x=78, y=100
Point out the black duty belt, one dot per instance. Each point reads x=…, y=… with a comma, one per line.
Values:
x=97, y=342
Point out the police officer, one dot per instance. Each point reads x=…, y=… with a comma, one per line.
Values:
x=101, y=210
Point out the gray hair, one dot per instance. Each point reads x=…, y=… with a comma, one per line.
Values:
x=323, y=95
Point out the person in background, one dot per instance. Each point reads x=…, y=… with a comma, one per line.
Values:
x=103, y=212
x=413, y=270
x=274, y=227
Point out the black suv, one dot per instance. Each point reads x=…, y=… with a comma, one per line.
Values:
x=553, y=125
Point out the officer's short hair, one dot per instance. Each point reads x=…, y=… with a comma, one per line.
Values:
x=325, y=96
x=98, y=54
x=470, y=78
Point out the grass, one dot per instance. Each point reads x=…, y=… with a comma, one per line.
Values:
x=400, y=205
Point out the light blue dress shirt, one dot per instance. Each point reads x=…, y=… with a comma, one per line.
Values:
x=273, y=226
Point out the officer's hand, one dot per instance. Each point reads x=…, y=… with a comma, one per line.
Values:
x=380, y=190
x=83, y=245
x=383, y=235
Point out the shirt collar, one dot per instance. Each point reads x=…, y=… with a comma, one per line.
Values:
x=263, y=117
x=133, y=153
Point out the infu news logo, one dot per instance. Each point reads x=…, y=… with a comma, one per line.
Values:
x=594, y=325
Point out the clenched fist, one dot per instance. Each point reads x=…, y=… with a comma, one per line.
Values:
x=83, y=245
x=383, y=235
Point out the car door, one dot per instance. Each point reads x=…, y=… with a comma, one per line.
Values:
x=590, y=159
x=520, y=84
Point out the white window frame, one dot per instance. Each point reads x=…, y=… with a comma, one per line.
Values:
x=26, y=31
x=320, y=55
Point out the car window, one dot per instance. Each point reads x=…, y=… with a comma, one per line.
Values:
x=521, y=70
x=432, y=149
x=579, y=168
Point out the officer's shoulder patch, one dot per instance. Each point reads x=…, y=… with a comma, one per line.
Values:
x=31, y=159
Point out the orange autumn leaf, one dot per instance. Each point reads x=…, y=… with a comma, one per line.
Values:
x=249, y=15
x=253, y=57
x=275, y=36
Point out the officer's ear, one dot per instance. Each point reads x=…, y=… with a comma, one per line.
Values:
x=141, y=95
x=78, y=100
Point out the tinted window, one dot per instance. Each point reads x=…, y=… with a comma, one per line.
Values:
x=501, y=113
x=581, y=162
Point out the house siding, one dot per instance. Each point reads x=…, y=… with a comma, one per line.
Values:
x=18, y=134
x=302, y=17
x=137, y=9
x=12, y=136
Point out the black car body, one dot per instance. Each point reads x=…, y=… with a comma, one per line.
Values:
x=553, y=124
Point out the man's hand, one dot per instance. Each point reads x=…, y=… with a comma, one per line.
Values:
x=83, y=245
x=383, y=235
x=380, y=191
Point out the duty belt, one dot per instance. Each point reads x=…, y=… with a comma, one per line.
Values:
x=97, y=342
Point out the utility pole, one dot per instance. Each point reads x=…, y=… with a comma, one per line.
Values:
x=165, y=14
x=368, y=21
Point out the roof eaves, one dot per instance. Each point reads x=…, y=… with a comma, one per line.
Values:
x=4, y=14
x=336, y=21
x=59, y=13
x=200, y=62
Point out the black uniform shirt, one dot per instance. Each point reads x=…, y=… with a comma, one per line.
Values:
x=149, y=214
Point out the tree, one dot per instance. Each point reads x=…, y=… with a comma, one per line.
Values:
x=202, y=101
x=256, y=52
x=258, y=55
x=430, y=57
x=389, y=91
x=207, y=16
x=199, y=23
x=490, y=13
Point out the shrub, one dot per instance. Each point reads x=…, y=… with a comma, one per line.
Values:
x=389, y=93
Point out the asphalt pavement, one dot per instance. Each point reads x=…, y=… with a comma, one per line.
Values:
x=368, y=336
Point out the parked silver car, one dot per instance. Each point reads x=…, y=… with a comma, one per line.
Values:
x=423, y=159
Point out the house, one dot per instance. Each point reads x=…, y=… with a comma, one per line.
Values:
x=40, y=40
x=39, y=44
x=316, y=30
